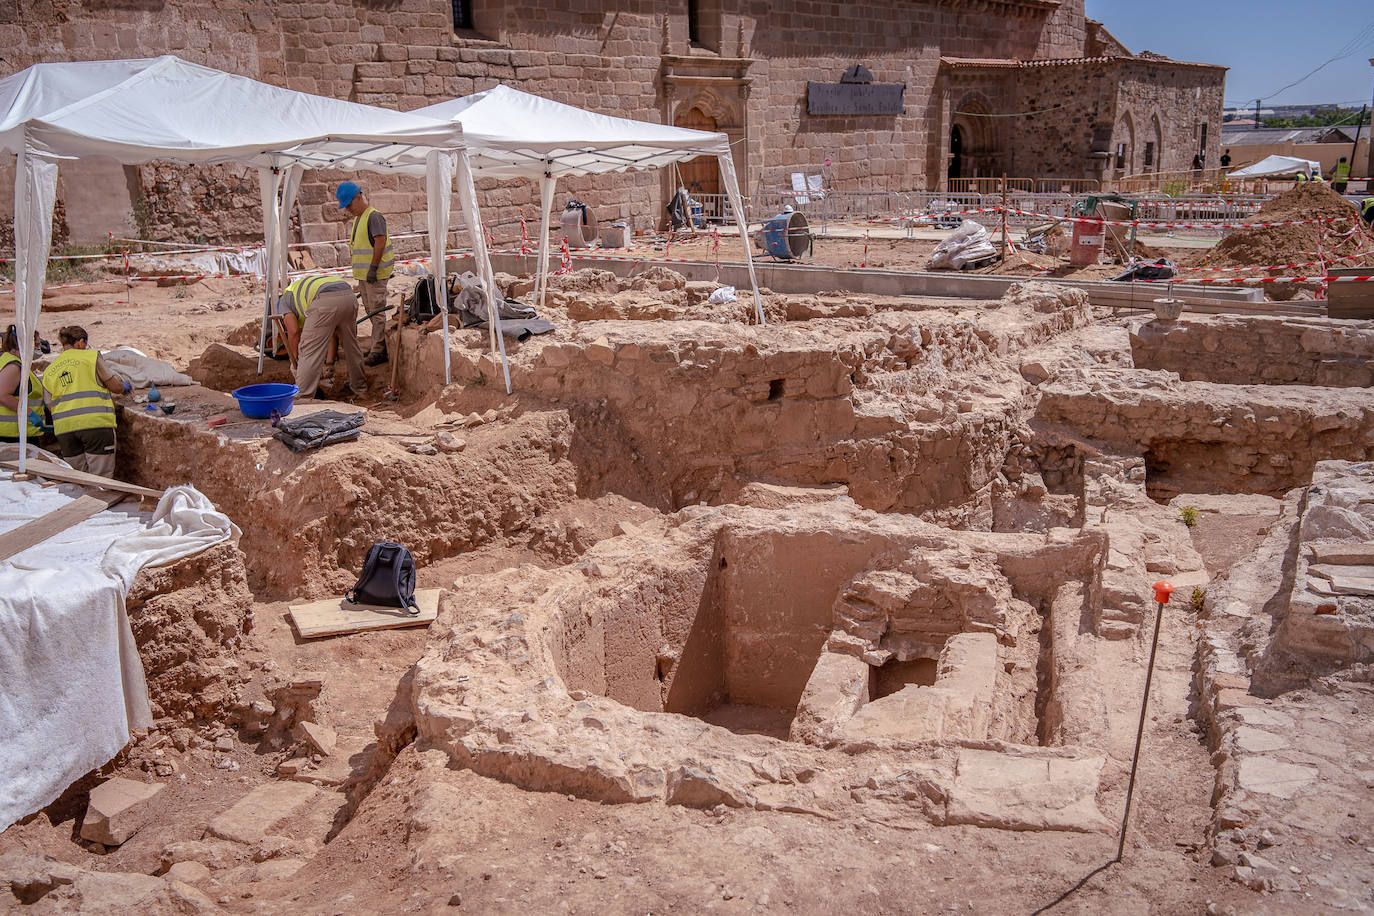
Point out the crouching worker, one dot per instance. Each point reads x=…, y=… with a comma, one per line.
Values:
x=313, y=308
x=76, y=387
x=10, y=366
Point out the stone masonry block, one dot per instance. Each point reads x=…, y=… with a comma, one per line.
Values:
x=118, y=808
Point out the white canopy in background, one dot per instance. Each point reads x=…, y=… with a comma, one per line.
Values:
x=136, y=111
x=1277, y=167
x=513, y=134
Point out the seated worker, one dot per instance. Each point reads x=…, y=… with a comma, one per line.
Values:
x=76, y=388
x=313, y=308
x=9, y=393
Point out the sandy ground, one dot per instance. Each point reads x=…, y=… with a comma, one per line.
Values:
x=517, y=851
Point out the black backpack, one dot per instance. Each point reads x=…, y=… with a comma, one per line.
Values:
x=422, y=304
x=387, y=579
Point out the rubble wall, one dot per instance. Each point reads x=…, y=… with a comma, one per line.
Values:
x=313, y=516
x=1206, y=437
x=1243, y=350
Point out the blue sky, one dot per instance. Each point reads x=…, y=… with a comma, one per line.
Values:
x=1266, y=43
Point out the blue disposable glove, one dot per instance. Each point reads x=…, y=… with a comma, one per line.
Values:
x=128, y=388
x=35, y=419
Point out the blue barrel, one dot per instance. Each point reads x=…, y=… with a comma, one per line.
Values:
x=786, y=236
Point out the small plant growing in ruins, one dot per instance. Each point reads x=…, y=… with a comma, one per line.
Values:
x=1197, y=599
x=1189, y=515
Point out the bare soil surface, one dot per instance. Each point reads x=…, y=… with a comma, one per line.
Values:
x=420, y=834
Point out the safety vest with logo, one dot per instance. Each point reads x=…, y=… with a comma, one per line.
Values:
x=1342, y=172
x=303, y=291
x=9, y=419
x=362, y=249
x=72, y=390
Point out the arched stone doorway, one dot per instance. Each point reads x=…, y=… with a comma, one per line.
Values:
x=700, y=175
x=956, y=152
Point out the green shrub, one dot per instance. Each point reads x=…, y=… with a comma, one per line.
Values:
x=1189, y=515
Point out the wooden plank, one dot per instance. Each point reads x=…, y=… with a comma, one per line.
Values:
x=67, y=475
x=38, y=530
x=336, y=616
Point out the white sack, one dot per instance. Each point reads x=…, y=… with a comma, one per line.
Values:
x=723, y=296
x=969, y=242
x=142, y=371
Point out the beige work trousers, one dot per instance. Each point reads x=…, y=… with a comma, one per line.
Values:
x=330, y=312
x=374, y=297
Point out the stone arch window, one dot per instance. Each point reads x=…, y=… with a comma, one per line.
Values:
x=1154, y=146
x=1125, y=144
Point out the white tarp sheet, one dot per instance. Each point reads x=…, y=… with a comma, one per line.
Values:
x=1277, y=167
x=71, y=682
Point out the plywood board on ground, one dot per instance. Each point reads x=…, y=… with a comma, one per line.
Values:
x=336, y=616
x=17, y=540
x=67, y=475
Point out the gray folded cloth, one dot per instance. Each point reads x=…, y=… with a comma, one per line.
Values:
x=324, y=427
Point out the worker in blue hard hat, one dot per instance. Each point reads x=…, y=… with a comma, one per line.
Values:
x=372, y=262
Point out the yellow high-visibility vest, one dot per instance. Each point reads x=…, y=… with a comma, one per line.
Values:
x=1342, y=172
x=303, y=291
x=362, y=249
x=9, y=419
x=74, y=394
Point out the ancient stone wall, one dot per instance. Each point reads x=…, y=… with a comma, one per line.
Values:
x=1169, y=103
x=1068, y=103
x=746, y=73
x=1239, y=350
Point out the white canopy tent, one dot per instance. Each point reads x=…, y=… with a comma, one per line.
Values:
x=1277, y=167
x=513, y=134
x=165, y=108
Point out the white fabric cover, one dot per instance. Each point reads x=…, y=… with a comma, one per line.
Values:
x=74, y=685
x=140, y=110
x=141, y=370
x=168, y=108
x=513, y=134
x=1277, y=167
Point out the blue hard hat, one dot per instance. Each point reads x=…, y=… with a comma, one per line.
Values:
x=346, y=192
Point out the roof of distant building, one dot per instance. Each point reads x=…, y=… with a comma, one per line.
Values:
x=1266, y=136
x=1007, y=63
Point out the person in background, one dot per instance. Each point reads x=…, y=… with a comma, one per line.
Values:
x=76, y=389
x=1198, y=163
x=314, y=309
x=1367, y=211
x=372, y=262
x=10, y=366
x=1340, y=176
x=1226, y=160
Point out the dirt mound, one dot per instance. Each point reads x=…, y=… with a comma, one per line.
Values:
x=1275, y=245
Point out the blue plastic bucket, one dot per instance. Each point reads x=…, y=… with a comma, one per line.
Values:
x=258, y=401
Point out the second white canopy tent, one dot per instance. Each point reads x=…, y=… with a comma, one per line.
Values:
x=513, y=134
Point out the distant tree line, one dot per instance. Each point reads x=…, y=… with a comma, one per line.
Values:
x=1328, y=117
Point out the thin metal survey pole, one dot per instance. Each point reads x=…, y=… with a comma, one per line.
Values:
x=1162, y=592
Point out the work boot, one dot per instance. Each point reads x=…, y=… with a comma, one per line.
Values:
x=375, y=359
